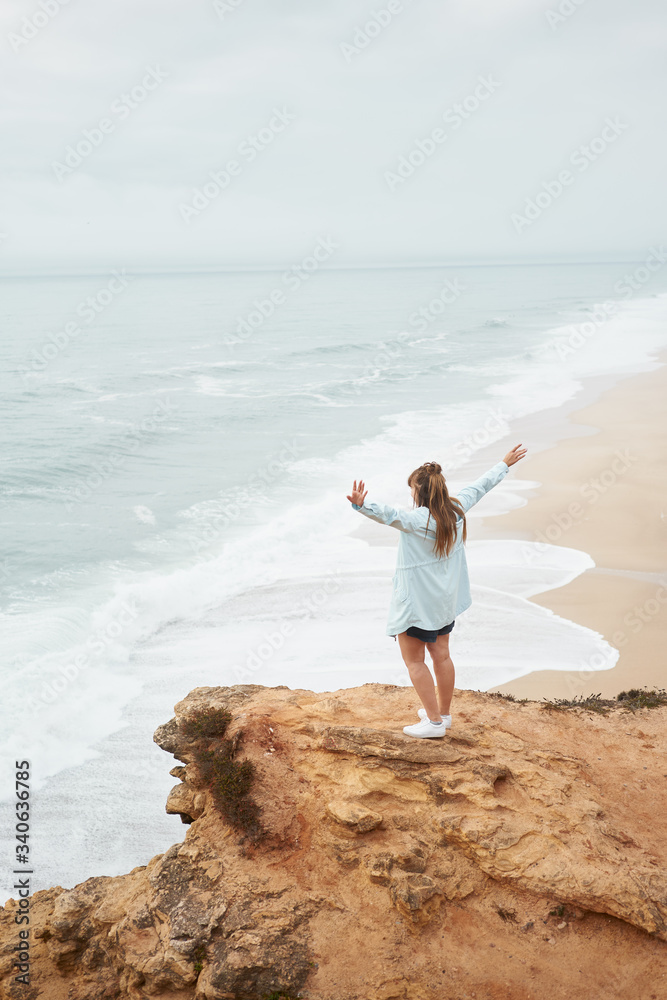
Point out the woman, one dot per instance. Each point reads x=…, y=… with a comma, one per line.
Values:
x=431, y=586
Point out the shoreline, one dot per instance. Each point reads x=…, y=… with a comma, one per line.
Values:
x=601, y=490
x=593, y=438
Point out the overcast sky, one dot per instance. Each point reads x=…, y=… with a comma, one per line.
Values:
x=317, y=105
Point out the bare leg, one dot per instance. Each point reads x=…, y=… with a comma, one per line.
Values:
x=443, y=668
x=412, y=651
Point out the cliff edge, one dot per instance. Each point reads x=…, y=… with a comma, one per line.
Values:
x=328, y=856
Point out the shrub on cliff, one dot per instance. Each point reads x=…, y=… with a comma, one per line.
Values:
x=229, y=780
x=631, y=701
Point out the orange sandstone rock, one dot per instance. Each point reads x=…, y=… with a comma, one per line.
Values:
x=522, y=855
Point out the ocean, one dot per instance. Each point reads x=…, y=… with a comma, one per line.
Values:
x=177, y=449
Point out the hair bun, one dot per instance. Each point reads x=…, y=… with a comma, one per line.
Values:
x=433, y=468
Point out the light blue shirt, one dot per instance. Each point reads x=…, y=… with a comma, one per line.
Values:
x=429, y=591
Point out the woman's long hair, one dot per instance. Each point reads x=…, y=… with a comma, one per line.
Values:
x=431, y=489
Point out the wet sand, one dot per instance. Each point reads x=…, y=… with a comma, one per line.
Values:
x=604, y=490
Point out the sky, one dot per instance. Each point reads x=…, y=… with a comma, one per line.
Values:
x=237, y=133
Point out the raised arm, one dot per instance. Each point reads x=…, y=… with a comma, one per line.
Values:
x=404, y=520
x=470, y=495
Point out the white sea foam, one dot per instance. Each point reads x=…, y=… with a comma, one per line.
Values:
x=525, y=569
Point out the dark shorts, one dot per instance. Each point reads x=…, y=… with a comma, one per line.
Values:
x=426, y=635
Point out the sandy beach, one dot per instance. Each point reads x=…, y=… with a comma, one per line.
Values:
x=603, y=489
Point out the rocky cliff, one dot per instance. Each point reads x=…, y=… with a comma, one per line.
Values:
x=328, y=856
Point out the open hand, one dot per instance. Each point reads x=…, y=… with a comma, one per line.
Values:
x=358, y=494
x=515, y=455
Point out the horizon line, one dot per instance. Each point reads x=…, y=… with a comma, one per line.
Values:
x=156, y=270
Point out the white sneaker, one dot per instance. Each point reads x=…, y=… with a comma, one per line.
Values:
x=425, y=730
x=447, y=719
